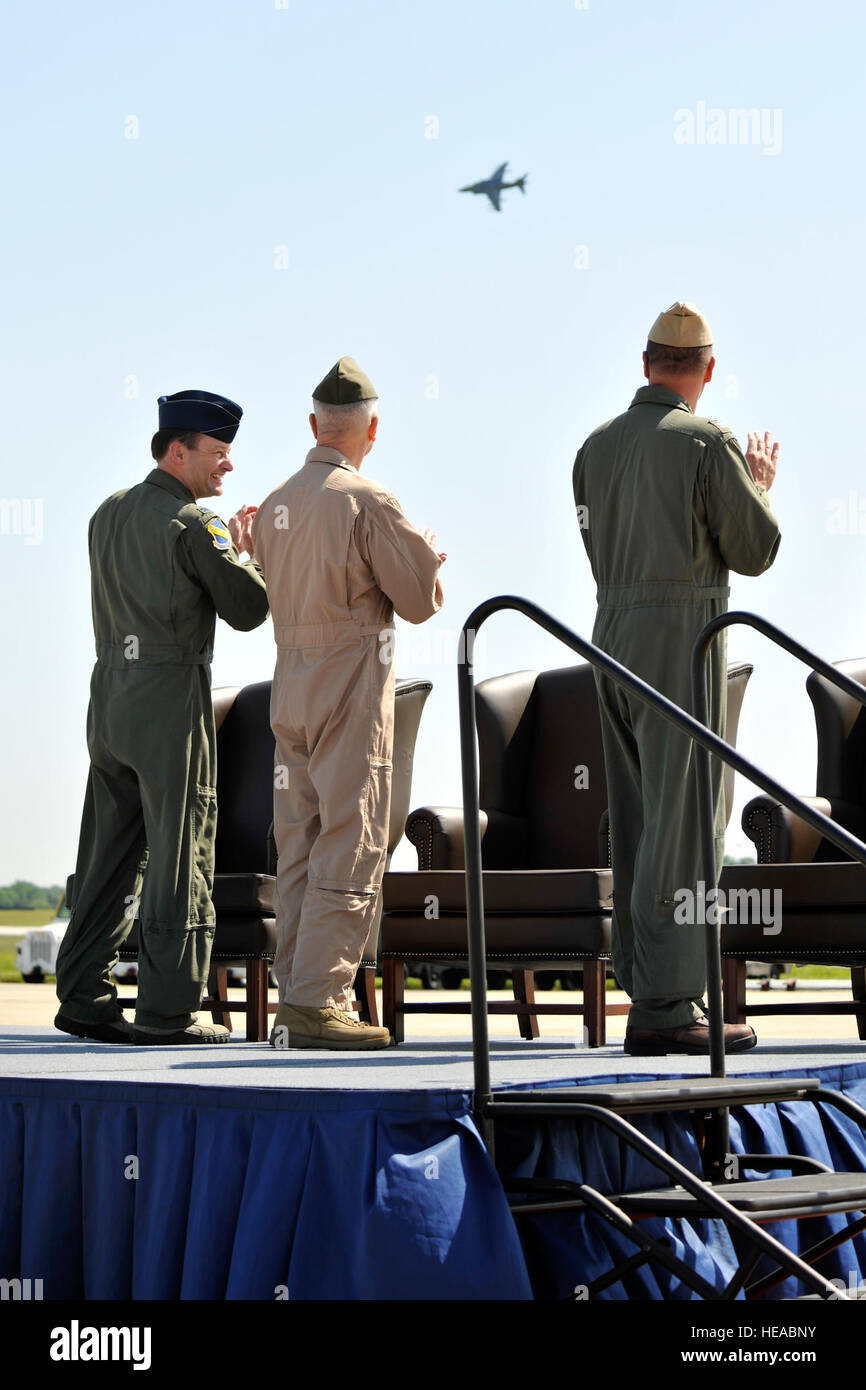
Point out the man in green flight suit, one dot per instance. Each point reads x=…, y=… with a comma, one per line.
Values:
x=667, y=505
x=162, y=568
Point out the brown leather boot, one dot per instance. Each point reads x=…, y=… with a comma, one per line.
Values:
x=299, y=1026
x=691, y=1039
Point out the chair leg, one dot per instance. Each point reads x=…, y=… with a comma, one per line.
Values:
x=365, y=995
x=523, y=984
x=257, y=1000
x=733, y=990
x=858, y=994
x=392, y=998
x=594, y=1002
x=217, y=988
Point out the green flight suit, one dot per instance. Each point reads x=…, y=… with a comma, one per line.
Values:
x=162, y=569
x=670, y=506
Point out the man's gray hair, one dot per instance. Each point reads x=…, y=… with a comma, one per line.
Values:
x=335, y=419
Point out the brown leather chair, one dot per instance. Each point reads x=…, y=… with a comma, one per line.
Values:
x=545, y=852
x=823, y=892
x=245, y=858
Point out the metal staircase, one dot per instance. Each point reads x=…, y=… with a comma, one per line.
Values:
x=744, y=1206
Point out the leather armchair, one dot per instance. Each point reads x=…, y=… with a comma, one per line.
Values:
x=823, y=891
x=545, y=852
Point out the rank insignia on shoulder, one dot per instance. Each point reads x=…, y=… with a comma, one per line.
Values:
x=220, y=536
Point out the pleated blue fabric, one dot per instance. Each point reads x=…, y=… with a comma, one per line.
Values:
x=120, y=1191
x=117, y=1191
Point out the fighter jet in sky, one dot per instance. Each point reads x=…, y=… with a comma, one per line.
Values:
x=494, y=185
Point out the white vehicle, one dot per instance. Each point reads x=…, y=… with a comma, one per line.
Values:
x=36, y=953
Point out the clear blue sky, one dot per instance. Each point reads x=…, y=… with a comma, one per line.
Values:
x=151, y=264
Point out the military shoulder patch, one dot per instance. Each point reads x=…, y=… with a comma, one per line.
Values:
x=219, y=535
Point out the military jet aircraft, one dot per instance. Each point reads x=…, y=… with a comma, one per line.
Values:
x=494, y=185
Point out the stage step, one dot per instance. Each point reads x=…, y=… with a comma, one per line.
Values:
x=767, y=1199
x=683, y=1093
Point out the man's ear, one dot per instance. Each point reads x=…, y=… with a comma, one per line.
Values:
x=645, y=366
x=371, y=432
x=314, y=425
x=709, y=372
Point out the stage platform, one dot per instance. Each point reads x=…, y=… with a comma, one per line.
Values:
x=434, y=1064
x=238, y=1172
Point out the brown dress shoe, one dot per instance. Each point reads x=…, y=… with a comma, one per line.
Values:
x=112, y=1030
x=692, y=1038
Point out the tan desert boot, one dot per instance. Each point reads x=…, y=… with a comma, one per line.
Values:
x=298, y=1026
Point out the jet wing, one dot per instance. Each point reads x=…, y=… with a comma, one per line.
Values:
x=493, y=195
x=498, y=174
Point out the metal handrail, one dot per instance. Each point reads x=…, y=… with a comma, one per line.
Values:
x=697, y=731
x=819, y=822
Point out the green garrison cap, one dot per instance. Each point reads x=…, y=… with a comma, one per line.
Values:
x=345, y=384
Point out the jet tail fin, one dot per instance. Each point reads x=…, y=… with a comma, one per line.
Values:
x=521, y=183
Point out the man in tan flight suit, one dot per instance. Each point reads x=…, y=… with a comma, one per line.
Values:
x=667, y=505
x=339, y=559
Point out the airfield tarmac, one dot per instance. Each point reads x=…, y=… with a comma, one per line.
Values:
x=31, y=1004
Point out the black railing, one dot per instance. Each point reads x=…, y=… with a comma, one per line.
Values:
x=700, y=651
x=704, y=737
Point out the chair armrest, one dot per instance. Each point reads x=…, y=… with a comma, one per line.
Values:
x=437, y=834
x=781, y=837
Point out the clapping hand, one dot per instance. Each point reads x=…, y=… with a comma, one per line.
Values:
x=762, y=457
x=430, y=538
x=241, y=528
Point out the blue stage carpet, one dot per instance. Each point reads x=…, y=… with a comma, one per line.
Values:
x=195, y=1182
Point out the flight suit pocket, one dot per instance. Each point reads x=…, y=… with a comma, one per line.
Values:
x=201, y=911
x=373, y=843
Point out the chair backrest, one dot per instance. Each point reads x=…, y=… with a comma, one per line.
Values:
x=245, y=780
x=840, y=723
x=410, y=697
x=738, y=678
x=245, y=772
x=537, y=731
x=541, y=765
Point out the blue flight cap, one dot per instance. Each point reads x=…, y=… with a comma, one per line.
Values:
x=202, y=412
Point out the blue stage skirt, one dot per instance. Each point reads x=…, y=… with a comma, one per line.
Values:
x=111, y=1190
x=116, y=1191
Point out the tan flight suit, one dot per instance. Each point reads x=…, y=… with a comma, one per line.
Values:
x=339, y=559
x=671, y=506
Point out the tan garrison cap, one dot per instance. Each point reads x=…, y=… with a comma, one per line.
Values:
x=345, y=384
x=683, y=326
